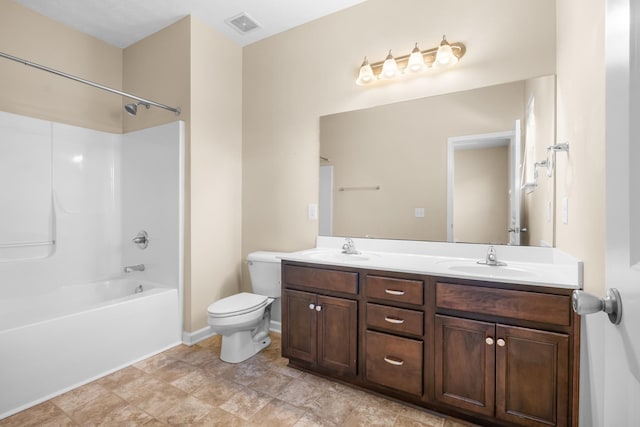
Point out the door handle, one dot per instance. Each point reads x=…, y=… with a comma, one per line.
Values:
x=584, y=303
x=513, y=230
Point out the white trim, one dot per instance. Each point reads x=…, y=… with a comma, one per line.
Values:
x=191, y=338
x=469, y=142
x=275, y=326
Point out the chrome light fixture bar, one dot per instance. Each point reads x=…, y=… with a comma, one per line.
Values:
x=143, y=101
x=416, y=62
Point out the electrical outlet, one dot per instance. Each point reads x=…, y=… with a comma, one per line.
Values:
x=419, y=212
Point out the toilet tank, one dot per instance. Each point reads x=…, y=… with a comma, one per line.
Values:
x=265, y=272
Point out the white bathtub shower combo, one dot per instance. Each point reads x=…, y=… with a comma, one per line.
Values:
x=72, y=201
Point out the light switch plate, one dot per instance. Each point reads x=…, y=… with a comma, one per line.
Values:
x=419, y=212
x=313, y=211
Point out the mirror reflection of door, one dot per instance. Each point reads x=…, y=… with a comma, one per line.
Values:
x=481, y=194
x=483, y=191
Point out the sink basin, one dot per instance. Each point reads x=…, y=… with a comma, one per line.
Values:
x=339, y=256
x=491, y=271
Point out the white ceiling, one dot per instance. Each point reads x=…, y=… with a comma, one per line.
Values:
x=122, y=23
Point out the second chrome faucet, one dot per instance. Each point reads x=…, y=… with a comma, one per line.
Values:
x=492, y=258
x=349, y=248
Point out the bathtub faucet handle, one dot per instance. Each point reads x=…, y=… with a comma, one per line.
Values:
x=141, y=239
x=130, y=268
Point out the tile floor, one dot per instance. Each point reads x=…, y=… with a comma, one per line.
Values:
x=191, y=386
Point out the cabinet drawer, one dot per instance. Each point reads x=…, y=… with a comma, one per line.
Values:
x=397, y=290
x=318, y=278
x=394, y=362
x=394, y=319
x=533, y=306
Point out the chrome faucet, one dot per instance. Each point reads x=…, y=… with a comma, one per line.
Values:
x=130, y=268
x=349, y=248
x=492, y=258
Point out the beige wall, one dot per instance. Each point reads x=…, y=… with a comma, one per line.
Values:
x=580, y=174
x=216, y=170
x=36, y=93
x=158, y=68
x=481, y=196
x=540, y=130
x=291, y=79
x=402, y=147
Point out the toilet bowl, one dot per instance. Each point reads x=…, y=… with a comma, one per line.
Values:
x=243, y=319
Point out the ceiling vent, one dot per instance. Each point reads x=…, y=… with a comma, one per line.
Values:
x=242, y=23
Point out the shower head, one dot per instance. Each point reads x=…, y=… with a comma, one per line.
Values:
x=133, y=108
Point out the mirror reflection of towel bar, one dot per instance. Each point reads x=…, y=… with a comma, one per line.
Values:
x=20, y=244
x=371, y=188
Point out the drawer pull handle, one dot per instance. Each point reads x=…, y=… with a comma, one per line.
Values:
x=394, y=320
x=393, y=361
x=501, y=342
x=394, y=292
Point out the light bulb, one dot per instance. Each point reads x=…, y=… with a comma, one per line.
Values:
x=365, y=76
x=445, y=54
x=416, y=61
x=389, y=68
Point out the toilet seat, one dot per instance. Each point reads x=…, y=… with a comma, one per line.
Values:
x=237, y=304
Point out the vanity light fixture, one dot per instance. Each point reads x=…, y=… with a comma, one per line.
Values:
x=445, y=55
x=417, y=62
x=389, y=67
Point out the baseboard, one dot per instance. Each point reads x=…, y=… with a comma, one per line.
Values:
x=275, y=326
x=191, y=338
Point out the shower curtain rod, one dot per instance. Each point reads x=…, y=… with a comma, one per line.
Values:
x=88, y=82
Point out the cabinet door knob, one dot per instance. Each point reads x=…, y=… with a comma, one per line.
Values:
x=394, y=292
x=318, y=307
x=312, y=306
x=394, y=320
x=501, y=342
x=489, y=341
x=393, y=361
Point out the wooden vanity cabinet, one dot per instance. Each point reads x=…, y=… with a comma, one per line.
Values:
x=520, y=375
x=493, y=353
x=320, y=329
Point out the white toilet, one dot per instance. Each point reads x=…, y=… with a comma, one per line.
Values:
x=243, y=319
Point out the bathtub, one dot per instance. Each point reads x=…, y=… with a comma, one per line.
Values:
x=54, y=342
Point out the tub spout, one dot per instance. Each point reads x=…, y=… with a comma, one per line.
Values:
x=130, y=268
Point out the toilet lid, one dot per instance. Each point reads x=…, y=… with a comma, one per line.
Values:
x=234, y=305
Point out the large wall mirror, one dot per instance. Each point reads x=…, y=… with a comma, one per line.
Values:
x=452, y=167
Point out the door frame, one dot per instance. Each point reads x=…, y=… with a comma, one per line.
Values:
x=479, y=141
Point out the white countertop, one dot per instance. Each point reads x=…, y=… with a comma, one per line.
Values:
x=525, y=265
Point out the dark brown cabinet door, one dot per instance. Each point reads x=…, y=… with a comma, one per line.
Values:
x=299, y=325
x=532, y=376
x=465, y=364
x=337, y=334
x=320, y=330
